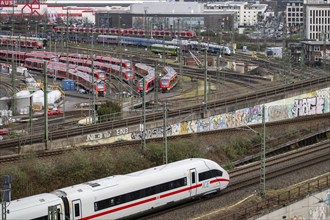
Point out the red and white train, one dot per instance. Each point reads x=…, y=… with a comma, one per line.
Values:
x=103, y=59
x=81, y=78
x=126, y=196
x=110, y=69
x=38, y=64
x=148, y=74
x=22, y=41
x=169, y=80
x=8, y=54
x=126, y=31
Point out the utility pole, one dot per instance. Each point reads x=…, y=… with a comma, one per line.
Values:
x=218, y=71
x=67, y=40
x=165, y=135
x=45, y=106
x=93, y=91
x=180, y=55
x=6, y=195
x=205, y=83
x=13, y=78
x=302, y=62
x=30, y=113
x=263, y=156
x=156, y=86
x=13, y=65
x=144, y=115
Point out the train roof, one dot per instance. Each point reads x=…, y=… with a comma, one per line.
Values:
x=164, y=45
x=131, y=178
x=31, y=202
x=170, y=72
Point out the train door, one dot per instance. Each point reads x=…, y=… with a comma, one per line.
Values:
x=193, y=182
x=76, y=209
x=55, y=212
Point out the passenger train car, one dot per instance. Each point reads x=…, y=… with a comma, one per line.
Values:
x=126, y=32
x=82, y=79
x=126, y=196
x=185, y=45
x=148, y=74
x=38, y=64
x=110, y=69
x=7, y=55
x=169, y=80
x=22, y=41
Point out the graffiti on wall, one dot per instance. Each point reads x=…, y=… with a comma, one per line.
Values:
x=308, y=106
x=230, y=120
x=98, y=136
x=151, y=133
x=187, y=127
x=317, y=213
x=316, y=102
x=278, y=112
x=107, y=134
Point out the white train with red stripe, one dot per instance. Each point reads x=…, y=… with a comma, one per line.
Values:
x=126, y=196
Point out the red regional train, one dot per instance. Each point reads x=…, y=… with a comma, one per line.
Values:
x=127, y=74
x=126, y=32
x=7, y=55
x=81, y=78
x=116, y=61
x=22, y=41
x=169, y=80
x=37, y=64
x=148, y=74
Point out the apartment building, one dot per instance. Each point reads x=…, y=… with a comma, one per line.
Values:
x=247, y=14
x=317, y=19
x=295, y=14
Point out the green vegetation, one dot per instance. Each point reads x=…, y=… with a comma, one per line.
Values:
x=109, y=111
x=32, y=175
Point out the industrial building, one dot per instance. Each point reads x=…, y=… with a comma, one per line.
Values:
x=168, y=16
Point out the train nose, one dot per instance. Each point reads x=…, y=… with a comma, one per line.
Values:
x=226, y=179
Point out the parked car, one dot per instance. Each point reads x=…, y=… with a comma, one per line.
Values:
x=4, y=132
x=55, y=112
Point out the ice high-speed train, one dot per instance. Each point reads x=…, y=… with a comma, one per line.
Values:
x=125, y=196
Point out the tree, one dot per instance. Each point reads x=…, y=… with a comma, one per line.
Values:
x=109, y=111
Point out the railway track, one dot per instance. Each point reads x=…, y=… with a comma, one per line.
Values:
x=249, y=176
x=174, y=111
x=280, y=139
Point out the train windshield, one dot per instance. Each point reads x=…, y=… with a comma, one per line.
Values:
x=101, y=74
x=100, y=85
x=140, y=84
x=164, y=82
x=129, y=73
x=129, y=65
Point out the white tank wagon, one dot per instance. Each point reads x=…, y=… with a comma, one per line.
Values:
x=129, y=195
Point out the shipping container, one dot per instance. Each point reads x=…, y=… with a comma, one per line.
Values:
x=68, y=85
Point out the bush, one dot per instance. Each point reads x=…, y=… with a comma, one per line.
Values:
x=176, y=150
x=108, y=111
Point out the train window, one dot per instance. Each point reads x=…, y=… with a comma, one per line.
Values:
x=193, y=177
x=76, y=210
x=209, y=174
x=128, y=197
